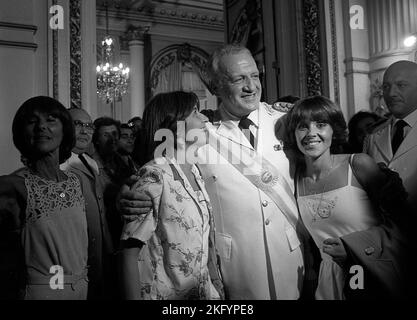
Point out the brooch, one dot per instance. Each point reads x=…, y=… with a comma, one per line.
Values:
x=279, y=146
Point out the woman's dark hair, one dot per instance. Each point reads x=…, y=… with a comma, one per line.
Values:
x=45, y=105
x=354, y=143
x=319, y=109
x=104, y=122
x=162, y=112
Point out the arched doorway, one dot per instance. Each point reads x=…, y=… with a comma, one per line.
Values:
x=181, y=67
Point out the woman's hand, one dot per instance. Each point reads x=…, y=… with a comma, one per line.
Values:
x=335, y=248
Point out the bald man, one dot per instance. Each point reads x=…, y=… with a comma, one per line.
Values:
x=394, y=142
x=84, y=130
x=100, y=248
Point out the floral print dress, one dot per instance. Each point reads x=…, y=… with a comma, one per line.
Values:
x=178, y=260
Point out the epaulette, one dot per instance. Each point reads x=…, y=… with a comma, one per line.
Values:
x=282, y=106
x=377, y=125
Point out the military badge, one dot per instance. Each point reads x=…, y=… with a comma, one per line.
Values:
x=279, y=146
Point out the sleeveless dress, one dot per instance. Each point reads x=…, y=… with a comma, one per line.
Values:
x=334, y=214
x=54, y=239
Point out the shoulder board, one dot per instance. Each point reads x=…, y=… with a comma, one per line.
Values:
x=268, y=108
x=282, y=106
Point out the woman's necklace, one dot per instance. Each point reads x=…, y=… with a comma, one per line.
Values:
x=321, y=212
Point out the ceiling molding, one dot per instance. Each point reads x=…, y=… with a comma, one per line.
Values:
x=165, y=15
x=211, y=5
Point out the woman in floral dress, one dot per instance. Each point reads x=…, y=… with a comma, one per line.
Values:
x=169, y=253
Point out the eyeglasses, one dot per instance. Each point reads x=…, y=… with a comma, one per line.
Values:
x=87, y=125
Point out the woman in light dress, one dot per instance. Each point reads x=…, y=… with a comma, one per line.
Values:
x=43, y=226
x=169, y=253
x=336, y=193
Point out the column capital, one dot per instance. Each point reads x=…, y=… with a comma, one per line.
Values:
x=137, y=33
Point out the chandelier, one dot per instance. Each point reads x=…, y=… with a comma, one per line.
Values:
x=112, y=78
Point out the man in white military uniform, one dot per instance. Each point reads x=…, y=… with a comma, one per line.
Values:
x=394, y=142
x=247, y=176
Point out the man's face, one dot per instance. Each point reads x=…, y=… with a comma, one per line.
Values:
x=240, y=89
x=400, y=90
x=126, y=141
x=107, y=139
x=84, y=129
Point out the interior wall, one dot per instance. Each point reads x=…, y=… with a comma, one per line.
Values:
x=23, y=65
x=205, y=34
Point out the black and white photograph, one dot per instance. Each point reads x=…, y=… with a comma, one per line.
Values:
x=219, y=153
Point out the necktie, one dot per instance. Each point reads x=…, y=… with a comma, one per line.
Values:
x=244, y=125
x=398, y=135
x=84, y=161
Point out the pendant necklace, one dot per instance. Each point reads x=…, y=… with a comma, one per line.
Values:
x=323, y=213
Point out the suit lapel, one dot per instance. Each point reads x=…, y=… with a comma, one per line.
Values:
x=76, y=163
x=383, y=141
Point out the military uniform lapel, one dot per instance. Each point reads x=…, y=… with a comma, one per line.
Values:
x=231, y=131
x=265, y=130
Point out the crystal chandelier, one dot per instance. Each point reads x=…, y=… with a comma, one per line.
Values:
x=112, y=79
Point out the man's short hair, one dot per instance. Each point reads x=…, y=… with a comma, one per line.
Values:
x=216, y=76
x=125, y=126
x=104, y=122
x=134, y=119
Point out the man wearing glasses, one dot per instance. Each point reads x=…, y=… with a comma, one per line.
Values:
x=100, y=247
x=84, y=130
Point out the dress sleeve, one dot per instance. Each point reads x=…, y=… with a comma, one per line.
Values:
x=150, y=183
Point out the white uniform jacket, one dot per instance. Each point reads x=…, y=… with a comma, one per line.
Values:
x=257, y=260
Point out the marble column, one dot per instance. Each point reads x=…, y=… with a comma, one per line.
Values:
x=137, y=70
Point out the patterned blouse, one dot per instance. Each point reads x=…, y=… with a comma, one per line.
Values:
x=179, y=259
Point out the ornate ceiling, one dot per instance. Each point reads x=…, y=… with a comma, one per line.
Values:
x=206, y=14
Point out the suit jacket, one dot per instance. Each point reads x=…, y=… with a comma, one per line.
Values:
x=404, y=161
x=386, y=257
x=257, y=261
x=386, y=252
x=100, y=248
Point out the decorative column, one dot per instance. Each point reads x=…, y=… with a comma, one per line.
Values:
x=356, y=62
x=137, y=70
x=391, y=21
x=89, y=57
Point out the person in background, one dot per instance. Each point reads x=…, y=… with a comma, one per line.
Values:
x=359, y=126
x=136, y=124
x=394, y=142
x=84, y=129
x=43, y=226
x=112, y=169
x=127, y=144
x=100, y=246
x=170, y=253
x=339, y=200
